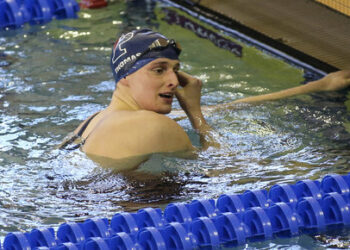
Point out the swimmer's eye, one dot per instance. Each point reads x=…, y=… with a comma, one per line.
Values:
x=158, y=70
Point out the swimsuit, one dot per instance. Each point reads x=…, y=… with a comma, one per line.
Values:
x=77, y=136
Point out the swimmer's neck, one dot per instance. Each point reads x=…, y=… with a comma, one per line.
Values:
x=122, y=100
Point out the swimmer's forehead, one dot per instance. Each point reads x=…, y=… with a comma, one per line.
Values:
x=166, y=62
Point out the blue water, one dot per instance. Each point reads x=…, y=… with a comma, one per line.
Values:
x=56, y=75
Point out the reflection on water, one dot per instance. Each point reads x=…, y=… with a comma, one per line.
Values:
x=129, y=190
x=55, y=76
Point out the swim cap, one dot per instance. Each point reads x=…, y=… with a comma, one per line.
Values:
x=139, y=47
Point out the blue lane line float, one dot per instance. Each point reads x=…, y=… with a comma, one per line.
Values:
x=235, y=219
x=15, y=13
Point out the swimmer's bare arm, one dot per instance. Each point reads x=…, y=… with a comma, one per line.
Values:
x=331, y=82
x=189, y=95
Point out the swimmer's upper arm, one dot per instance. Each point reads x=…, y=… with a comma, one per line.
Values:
x=144, y=134
x=167, y=137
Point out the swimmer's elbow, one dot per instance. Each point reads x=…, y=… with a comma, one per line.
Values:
x=169, y=137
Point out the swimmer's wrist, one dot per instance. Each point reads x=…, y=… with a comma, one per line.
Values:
x=198, y=121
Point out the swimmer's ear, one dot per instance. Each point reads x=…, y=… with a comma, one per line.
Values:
x=124, y=81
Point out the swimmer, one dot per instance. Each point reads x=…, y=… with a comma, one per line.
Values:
x=134, y=126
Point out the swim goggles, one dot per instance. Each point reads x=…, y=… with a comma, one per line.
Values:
x=160, y=44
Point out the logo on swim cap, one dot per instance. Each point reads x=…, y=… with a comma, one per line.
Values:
x=118, y=46
x=135, y=45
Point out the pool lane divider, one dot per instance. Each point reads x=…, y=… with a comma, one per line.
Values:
x=15, y=13
x=286, y=210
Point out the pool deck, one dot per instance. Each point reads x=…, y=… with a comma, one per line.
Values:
x=303, y=26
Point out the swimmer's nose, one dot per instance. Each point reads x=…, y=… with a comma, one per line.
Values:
x=172, y=80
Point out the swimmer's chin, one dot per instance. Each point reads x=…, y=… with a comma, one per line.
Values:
x=163, y=112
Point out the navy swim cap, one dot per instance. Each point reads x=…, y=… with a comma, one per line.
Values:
x=139, y=47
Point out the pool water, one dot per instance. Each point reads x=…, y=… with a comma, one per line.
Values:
x=54, y=76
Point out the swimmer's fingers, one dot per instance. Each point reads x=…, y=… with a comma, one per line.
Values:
x=188, y=80
x=181, y=97
x=183, y=78
x=190, y=94
x=336, y=81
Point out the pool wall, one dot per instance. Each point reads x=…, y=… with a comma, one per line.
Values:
x=245, y=35
x=307, y=30
x=233, y=219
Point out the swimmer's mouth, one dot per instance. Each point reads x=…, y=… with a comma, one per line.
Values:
x=167, y=95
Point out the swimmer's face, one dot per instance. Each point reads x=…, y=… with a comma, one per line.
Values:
x=153, y=86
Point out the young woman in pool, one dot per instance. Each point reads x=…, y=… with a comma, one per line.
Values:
x=147, y=73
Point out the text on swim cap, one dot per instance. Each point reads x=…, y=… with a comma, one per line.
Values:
x=125, y=61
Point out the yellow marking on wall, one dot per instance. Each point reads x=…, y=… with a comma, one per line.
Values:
x=342, y=6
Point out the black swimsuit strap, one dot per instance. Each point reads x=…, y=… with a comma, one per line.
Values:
x=78, y=135
x=82, y=129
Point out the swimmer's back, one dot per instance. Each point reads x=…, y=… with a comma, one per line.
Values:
x=122, y=134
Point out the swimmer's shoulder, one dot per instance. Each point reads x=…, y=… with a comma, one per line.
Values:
x=140, y=119
x=89, y=121
x=125, y=134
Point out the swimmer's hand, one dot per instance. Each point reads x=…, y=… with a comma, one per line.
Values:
x=189, y=94
x=189, y=97
x=335, y=81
